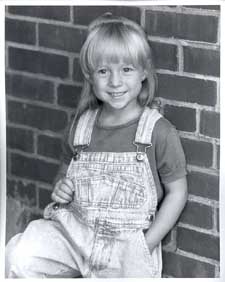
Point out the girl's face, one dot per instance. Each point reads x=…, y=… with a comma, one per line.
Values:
x=118, y=84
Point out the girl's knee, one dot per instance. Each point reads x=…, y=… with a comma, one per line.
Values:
x=24, y=249
x=11, y=257
x=17, y=258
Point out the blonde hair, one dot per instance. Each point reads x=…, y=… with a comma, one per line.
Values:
x=112, y=38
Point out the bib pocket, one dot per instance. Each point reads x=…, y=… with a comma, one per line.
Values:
x=130, y=173
x=108, y=191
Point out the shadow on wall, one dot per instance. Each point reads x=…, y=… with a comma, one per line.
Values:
x=18, y=216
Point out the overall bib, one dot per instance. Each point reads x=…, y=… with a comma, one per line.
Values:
x=101, y=232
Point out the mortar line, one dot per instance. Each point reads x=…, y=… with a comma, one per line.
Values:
x=185, y=42
x=41, y=76
x=184, y=10
x=211, y=172
x=198, y=229
x=46, y=21
x=197, y=257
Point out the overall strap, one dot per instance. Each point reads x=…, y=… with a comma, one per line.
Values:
x=146, y=125
x=84, y=128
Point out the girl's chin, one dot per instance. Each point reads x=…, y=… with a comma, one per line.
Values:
x=116, y=106
x=121, y=106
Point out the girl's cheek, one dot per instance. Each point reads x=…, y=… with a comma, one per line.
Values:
x=102, y=81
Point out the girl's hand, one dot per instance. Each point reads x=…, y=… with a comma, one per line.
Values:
x=63, y=191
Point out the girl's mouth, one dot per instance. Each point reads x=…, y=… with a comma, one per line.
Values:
x=117, y=94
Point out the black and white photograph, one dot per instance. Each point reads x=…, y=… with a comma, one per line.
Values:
x=110, y=139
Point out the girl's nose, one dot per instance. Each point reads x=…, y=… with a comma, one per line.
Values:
x=115, y=79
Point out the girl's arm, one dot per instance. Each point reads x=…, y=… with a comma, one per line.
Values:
x=63, y=187
x=61, y=173
x=171, y=208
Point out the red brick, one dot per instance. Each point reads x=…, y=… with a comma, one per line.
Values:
x=68, y=95
x=197, y=214
x=191, y=27
x=85, y=14
x=203, y=185
x=20, y=139
x=198, y=153
x=35, y=216
x=179, y=266
x=59, y=13
x=36, y=116
x=7, y=161
x=205, y=7
x=20, y=31
x=49, y=146
x=77, y=73
x=22, y=86
x=44, y=196
x=202, y=244
x=183, y=118
x=191, y=90
x=218, y=156
x=169, y=241
x=218, y=219
x=38, y=62
x=202, y=61
x=10, y=190
x=25, y=192
x=32, y=168
x=17, y=217
x=210, y=124
x=165, y=55
x=62, y=38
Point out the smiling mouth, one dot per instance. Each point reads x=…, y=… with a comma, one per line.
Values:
x=117, y=94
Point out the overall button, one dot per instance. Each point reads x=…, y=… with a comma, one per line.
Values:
x=55, y=206
x=76, y=156
x=140, y=157
x=150, y=217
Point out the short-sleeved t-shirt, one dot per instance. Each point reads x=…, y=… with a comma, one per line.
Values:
x=166, y=156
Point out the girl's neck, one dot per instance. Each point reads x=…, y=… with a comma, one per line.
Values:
x=115, y=117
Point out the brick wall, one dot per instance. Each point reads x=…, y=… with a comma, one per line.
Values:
x=43, y=82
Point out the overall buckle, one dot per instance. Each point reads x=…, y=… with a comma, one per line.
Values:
x=140, y=155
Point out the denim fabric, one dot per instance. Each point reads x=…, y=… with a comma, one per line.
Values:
x=101, y=232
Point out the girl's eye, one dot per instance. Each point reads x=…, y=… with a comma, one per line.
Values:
x=128, y=69
x=102, y=71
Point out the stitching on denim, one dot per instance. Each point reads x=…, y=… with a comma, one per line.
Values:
x=125, y=191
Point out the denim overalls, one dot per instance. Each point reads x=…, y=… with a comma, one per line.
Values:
x=101, y=232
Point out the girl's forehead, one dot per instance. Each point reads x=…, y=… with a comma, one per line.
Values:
x=107, y=58
x=115, y=50
x=114, y=61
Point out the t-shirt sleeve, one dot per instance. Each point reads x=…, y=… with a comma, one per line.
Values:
x=170, y=158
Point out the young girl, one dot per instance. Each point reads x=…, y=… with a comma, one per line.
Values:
x=125, y=159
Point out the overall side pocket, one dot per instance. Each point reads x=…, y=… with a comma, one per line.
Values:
x=151, y=258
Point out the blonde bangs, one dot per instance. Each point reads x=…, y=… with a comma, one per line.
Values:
x=116, y=45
